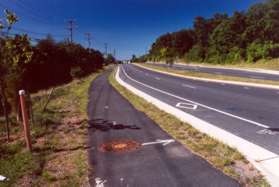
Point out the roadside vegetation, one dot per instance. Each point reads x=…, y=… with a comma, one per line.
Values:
x=246, y=36
x=221, y=156
x=209, y=76
x=59, y=137
x=56, y=77
x=271, y=64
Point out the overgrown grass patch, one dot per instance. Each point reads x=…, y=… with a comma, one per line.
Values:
x=59, y=137
x=218, y=154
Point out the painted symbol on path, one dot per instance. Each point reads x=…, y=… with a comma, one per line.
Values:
x=190, y=106
x=100, y=182
x=163, y=142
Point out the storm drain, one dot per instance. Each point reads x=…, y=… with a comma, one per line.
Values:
x=120, y=146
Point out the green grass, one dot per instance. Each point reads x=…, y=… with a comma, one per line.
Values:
x=218, y=154
x=15, y=161
x=210, y=76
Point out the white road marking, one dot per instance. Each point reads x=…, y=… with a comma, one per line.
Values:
x=146, y=74
x=277, y=92
x=246, y=88
x=157, y=78
x=199, y=104
x=100, y=182
x=163, y=142
x=256, y=77
x=188, y=86
x=223, y=84
x=187, y=106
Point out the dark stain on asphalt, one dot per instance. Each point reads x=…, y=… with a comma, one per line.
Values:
x=105, y=125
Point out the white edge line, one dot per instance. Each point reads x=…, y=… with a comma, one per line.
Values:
x=199, y=104
x=252, y=152
x=213, y=80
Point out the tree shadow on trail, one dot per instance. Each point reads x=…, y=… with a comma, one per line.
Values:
x=105, y=125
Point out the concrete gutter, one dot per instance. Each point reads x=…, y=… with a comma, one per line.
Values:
x=265, y=161
x=213, y=80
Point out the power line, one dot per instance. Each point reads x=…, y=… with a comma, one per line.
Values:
x=36, y=33
x=30, y=10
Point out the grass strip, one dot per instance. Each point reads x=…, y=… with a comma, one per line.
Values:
x=221, y=156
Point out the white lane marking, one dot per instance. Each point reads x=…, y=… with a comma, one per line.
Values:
x=277, y=92
x=188, y=86
x=157, y=78
x=163, y=142
x=146, y=74
x=256, y=77
x=187, y=106
x=199, y=104
x=100, y=182
x=246, y=88
x=223, y=84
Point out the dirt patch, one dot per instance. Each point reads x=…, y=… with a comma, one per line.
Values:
x=120, y=146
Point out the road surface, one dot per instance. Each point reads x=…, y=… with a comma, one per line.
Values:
x=222, y=71
x=248, y=112
x=153, y=164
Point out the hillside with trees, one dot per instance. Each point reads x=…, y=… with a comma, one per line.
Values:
x=41, y=65
x=245, y=36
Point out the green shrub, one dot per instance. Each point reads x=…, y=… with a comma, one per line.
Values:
x=196, y=54
x=257, y=51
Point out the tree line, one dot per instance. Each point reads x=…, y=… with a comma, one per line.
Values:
x=33, y=67
x=245, y=36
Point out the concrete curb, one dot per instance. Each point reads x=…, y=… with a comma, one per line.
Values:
x=264, y=160
x=213, y=80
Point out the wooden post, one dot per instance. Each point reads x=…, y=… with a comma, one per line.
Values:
x=25, y=120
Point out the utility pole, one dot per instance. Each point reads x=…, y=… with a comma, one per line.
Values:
x=114, y=53
x=106, y=49
x=88, y=37
x=71, y=27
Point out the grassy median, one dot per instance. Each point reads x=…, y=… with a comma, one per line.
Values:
x=272, y=64
x=210, y=76
x=221, y=156
x=59, y=137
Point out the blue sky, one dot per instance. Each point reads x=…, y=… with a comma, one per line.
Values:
x=129, y=26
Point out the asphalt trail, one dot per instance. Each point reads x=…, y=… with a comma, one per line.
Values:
x=151, y=165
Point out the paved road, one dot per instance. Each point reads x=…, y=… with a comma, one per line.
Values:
x=221, y=71
x=150, y=165
x=248, y=112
